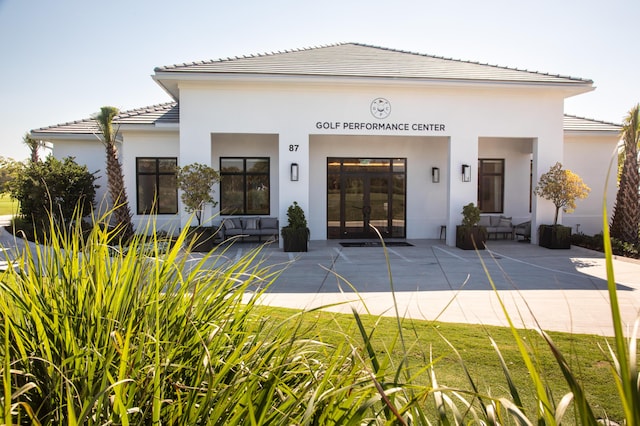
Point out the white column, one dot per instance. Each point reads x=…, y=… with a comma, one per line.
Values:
x=293, y=149
x=195, y=147
x=547, y=150
x=463, y=149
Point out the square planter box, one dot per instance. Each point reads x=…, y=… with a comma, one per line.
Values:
x=202, y=239
x=465, y=237
x=554, y=236
x=295, y=240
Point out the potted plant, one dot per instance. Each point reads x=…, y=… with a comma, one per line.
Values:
x=470, y=235
x=562, y=187
x=295, y=235
x=196, y=182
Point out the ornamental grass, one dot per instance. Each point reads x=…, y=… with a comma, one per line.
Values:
x=147, y=334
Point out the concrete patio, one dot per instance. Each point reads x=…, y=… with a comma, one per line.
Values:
x=559, y=290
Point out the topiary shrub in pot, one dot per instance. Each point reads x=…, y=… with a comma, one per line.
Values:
x=295, y=236
x=196, y=182
x=470, y=235
x=562, y=187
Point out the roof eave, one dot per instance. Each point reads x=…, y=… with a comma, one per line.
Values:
x=155, y=127
x=170, y=90
x=169, y=81
x=575, y=132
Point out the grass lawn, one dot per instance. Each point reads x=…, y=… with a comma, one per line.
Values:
x=7, y=205
x=425, y=340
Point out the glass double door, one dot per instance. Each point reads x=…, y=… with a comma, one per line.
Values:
x=363, y=194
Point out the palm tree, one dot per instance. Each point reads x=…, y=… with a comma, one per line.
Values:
x=625, y=223
x=33, y=146
x=115, y=179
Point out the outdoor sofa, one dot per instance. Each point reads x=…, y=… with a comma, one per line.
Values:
x=243, y=227
x=497, y=226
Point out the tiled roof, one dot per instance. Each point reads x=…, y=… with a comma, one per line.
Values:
x=581, y=124
x=155, y=114
x=359, y=60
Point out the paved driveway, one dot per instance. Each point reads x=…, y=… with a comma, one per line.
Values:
x=561, y=290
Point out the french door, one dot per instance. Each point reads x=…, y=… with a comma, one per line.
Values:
x=363, y=193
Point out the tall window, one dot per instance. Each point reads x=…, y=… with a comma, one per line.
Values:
x=244, y=185
x=156, y=185
x=491, y=185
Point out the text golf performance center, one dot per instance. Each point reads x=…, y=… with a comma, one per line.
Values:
x=358, y=136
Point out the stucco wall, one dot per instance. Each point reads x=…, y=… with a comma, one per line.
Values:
x=591, y=157
x=293, y=110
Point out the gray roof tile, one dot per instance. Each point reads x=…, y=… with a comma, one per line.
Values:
x=359, y=60
x=581, y=124
x=156, y=114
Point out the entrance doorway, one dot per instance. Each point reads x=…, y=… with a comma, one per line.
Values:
x=363, y=193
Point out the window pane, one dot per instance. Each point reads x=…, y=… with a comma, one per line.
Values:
x=232, y=194
x=167, y=195
x=231, y=165
x=399, y=165
x=258, y=194
x=146, y=193
x=491, y=185
x=492, y=166
x=146, y=165
x=333, y=165
x=399, y=202
x=167, y=165
x=257, y=165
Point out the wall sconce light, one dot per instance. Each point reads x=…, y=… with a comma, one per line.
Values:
x=294, y=172
x=435, y=175
x=466, y=173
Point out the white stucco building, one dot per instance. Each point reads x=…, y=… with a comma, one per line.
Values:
x=357, y=135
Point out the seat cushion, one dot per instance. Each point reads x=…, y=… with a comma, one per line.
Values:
x=268, y=223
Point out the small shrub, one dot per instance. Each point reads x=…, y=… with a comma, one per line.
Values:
x=596, y=242
x=60, y=189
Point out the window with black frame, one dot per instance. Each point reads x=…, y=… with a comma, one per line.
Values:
x=491, y=185
x=156, y=185
x=244, y=186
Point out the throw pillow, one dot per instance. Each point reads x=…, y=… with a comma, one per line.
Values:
x=228, y=224
x=251, y=223
x=505, y=222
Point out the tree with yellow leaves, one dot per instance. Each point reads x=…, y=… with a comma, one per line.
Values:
x=562, y=187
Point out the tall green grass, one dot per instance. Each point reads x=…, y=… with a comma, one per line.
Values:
x=148, y=334
x=93, y=335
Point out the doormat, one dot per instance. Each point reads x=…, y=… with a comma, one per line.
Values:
x=376, y=244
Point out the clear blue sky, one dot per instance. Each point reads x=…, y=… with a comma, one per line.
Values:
x=61, y=60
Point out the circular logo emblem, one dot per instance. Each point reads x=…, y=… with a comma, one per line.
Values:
x=380, y=108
